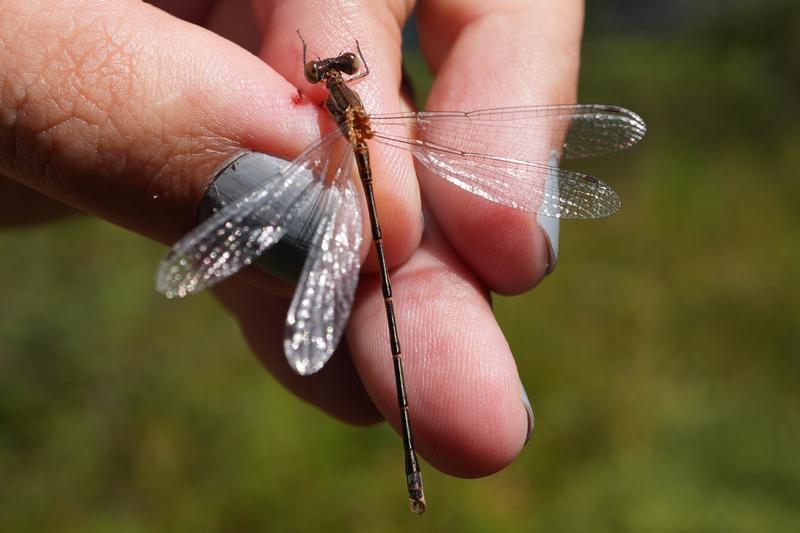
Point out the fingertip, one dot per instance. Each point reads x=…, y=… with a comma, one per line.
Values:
x=462, y=383
x=474, y=423
x=517, y=54
x=504, y=247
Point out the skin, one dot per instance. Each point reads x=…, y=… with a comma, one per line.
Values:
x=122, y=110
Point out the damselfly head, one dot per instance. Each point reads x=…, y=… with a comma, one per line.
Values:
x=313, y=72
x=350, y=63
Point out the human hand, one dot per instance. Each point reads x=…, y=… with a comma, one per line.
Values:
x=121, y=110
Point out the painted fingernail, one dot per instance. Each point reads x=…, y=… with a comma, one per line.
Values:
x=529, y=410
x=551, y=226
x=240, y=175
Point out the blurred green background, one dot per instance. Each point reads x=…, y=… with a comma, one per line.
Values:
x=662, y=356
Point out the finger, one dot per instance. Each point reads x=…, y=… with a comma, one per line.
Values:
x=333, y=27
x=490, y=55
x=101, y=110
x=336, y=389
x=464, y=392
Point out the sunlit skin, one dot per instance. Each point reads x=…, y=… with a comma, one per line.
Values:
x=119, y=122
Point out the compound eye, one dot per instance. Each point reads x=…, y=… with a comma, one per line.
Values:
x=312, y=72
x=353, y=62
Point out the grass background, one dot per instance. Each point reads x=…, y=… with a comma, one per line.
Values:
x=662, y=357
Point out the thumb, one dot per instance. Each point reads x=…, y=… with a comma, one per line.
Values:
x=121, y=110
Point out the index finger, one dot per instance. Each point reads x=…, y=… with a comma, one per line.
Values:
x=100, y=110
x=490, y=55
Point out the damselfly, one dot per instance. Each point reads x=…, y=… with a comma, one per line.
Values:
x=497, y=154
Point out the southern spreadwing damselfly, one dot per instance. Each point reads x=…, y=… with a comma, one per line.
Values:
x=498, y=154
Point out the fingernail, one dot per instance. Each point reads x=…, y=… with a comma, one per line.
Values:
x=529, y=410
x=240, y=175
x=551, y=226
x=551, y=231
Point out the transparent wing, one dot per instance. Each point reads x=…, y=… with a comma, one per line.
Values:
x=531, y=187
x=499, y=154
x=574, y=131
x=238, y=233
x=323, y=298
